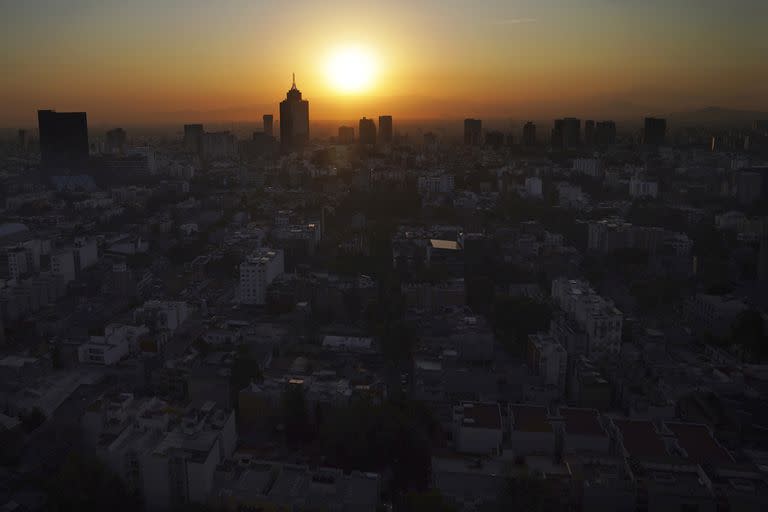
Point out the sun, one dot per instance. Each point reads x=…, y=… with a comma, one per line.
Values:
x=351, y=69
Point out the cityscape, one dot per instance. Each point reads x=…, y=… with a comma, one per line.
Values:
x=342, y=298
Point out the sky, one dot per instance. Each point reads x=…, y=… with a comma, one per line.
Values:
x=141, y=60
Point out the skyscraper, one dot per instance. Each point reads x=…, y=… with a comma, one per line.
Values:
x=63, y=139
x=367, y=131
x=571, y=132
x=294, y=120
x=605, y=133
x=193, y=137
x=589, y=132
x=115, y=141
x=269, y=125
x=473, y=129
x=346, y=135
x=654, y=131
x=529, y=134
x=385, y=129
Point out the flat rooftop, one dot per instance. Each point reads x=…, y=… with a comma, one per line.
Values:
x=698, y=443
x=480, y=415
x=640, y=438
x=531, y=418
x=583, y=422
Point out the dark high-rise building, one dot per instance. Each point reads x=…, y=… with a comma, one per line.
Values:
x=346, y=135
x=294, y=120
x=654, y=131
x=473, y=129
x=385, y=129
x=63, y=139
x=605, y=133
x=529, y=134
x=115, y=141
x=571, y=133
x=22, y=139
x=589, y=132
x=367, y=131
x=193, y=137
x=269, y=124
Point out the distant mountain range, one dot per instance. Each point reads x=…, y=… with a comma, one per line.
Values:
x=716, y=116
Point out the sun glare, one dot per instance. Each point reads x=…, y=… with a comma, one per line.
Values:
x=351, y=69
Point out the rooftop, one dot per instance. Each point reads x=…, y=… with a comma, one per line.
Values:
x=698, y=443
x=640, y=438
x=583, y=422
x=531, y=418
x=480, y=415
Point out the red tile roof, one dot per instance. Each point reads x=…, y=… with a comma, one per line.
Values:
x=531, y=418
x=699, y=444
x=583, y=422
x=640, y=439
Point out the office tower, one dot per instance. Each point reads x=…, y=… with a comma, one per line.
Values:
x=571, y=133
x=269, y=124
x=589, y=132
x=529, y=134
x=385, y=129
x=654, y=131
x=473, y=129
x=346, y=135
x=193, y=137
x=218, y=145
x=63, y=139
x=294, y=120
x=556, y=139
x=367, y=131
x=115, y=141
x=605, y=133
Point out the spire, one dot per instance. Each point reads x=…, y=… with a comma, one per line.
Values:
x=293, y=86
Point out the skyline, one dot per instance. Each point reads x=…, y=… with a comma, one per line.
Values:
x=136, y=63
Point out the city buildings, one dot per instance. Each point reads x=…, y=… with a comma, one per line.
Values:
x=268, y=125
x=529, y=134
x=256, y=273
x=473, y=132
x=294, y=120
x=63, y=140
x=385, y=129
x=654, y=131
x=367, y=131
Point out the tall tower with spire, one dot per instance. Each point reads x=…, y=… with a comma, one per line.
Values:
x=294, y=120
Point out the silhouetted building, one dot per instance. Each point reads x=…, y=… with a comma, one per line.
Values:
x=385, y=129
x=566, y=133
x=654, y=131
x=571, y=133
x=115, y=141
x=269, y=124
x=494, y=139
x=473, y=129
x=529, y=134
x=605, y=133
x=63, y=139
x=589, y=132
x=346, y=135
x=193, y=137
x=294, y=120
x=367, y=131
x=22, y=139
x=218, y=145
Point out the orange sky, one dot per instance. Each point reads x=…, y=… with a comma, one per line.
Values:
x=160, y=61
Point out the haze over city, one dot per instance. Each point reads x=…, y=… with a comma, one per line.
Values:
x=145, y=61
x=391, y=256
